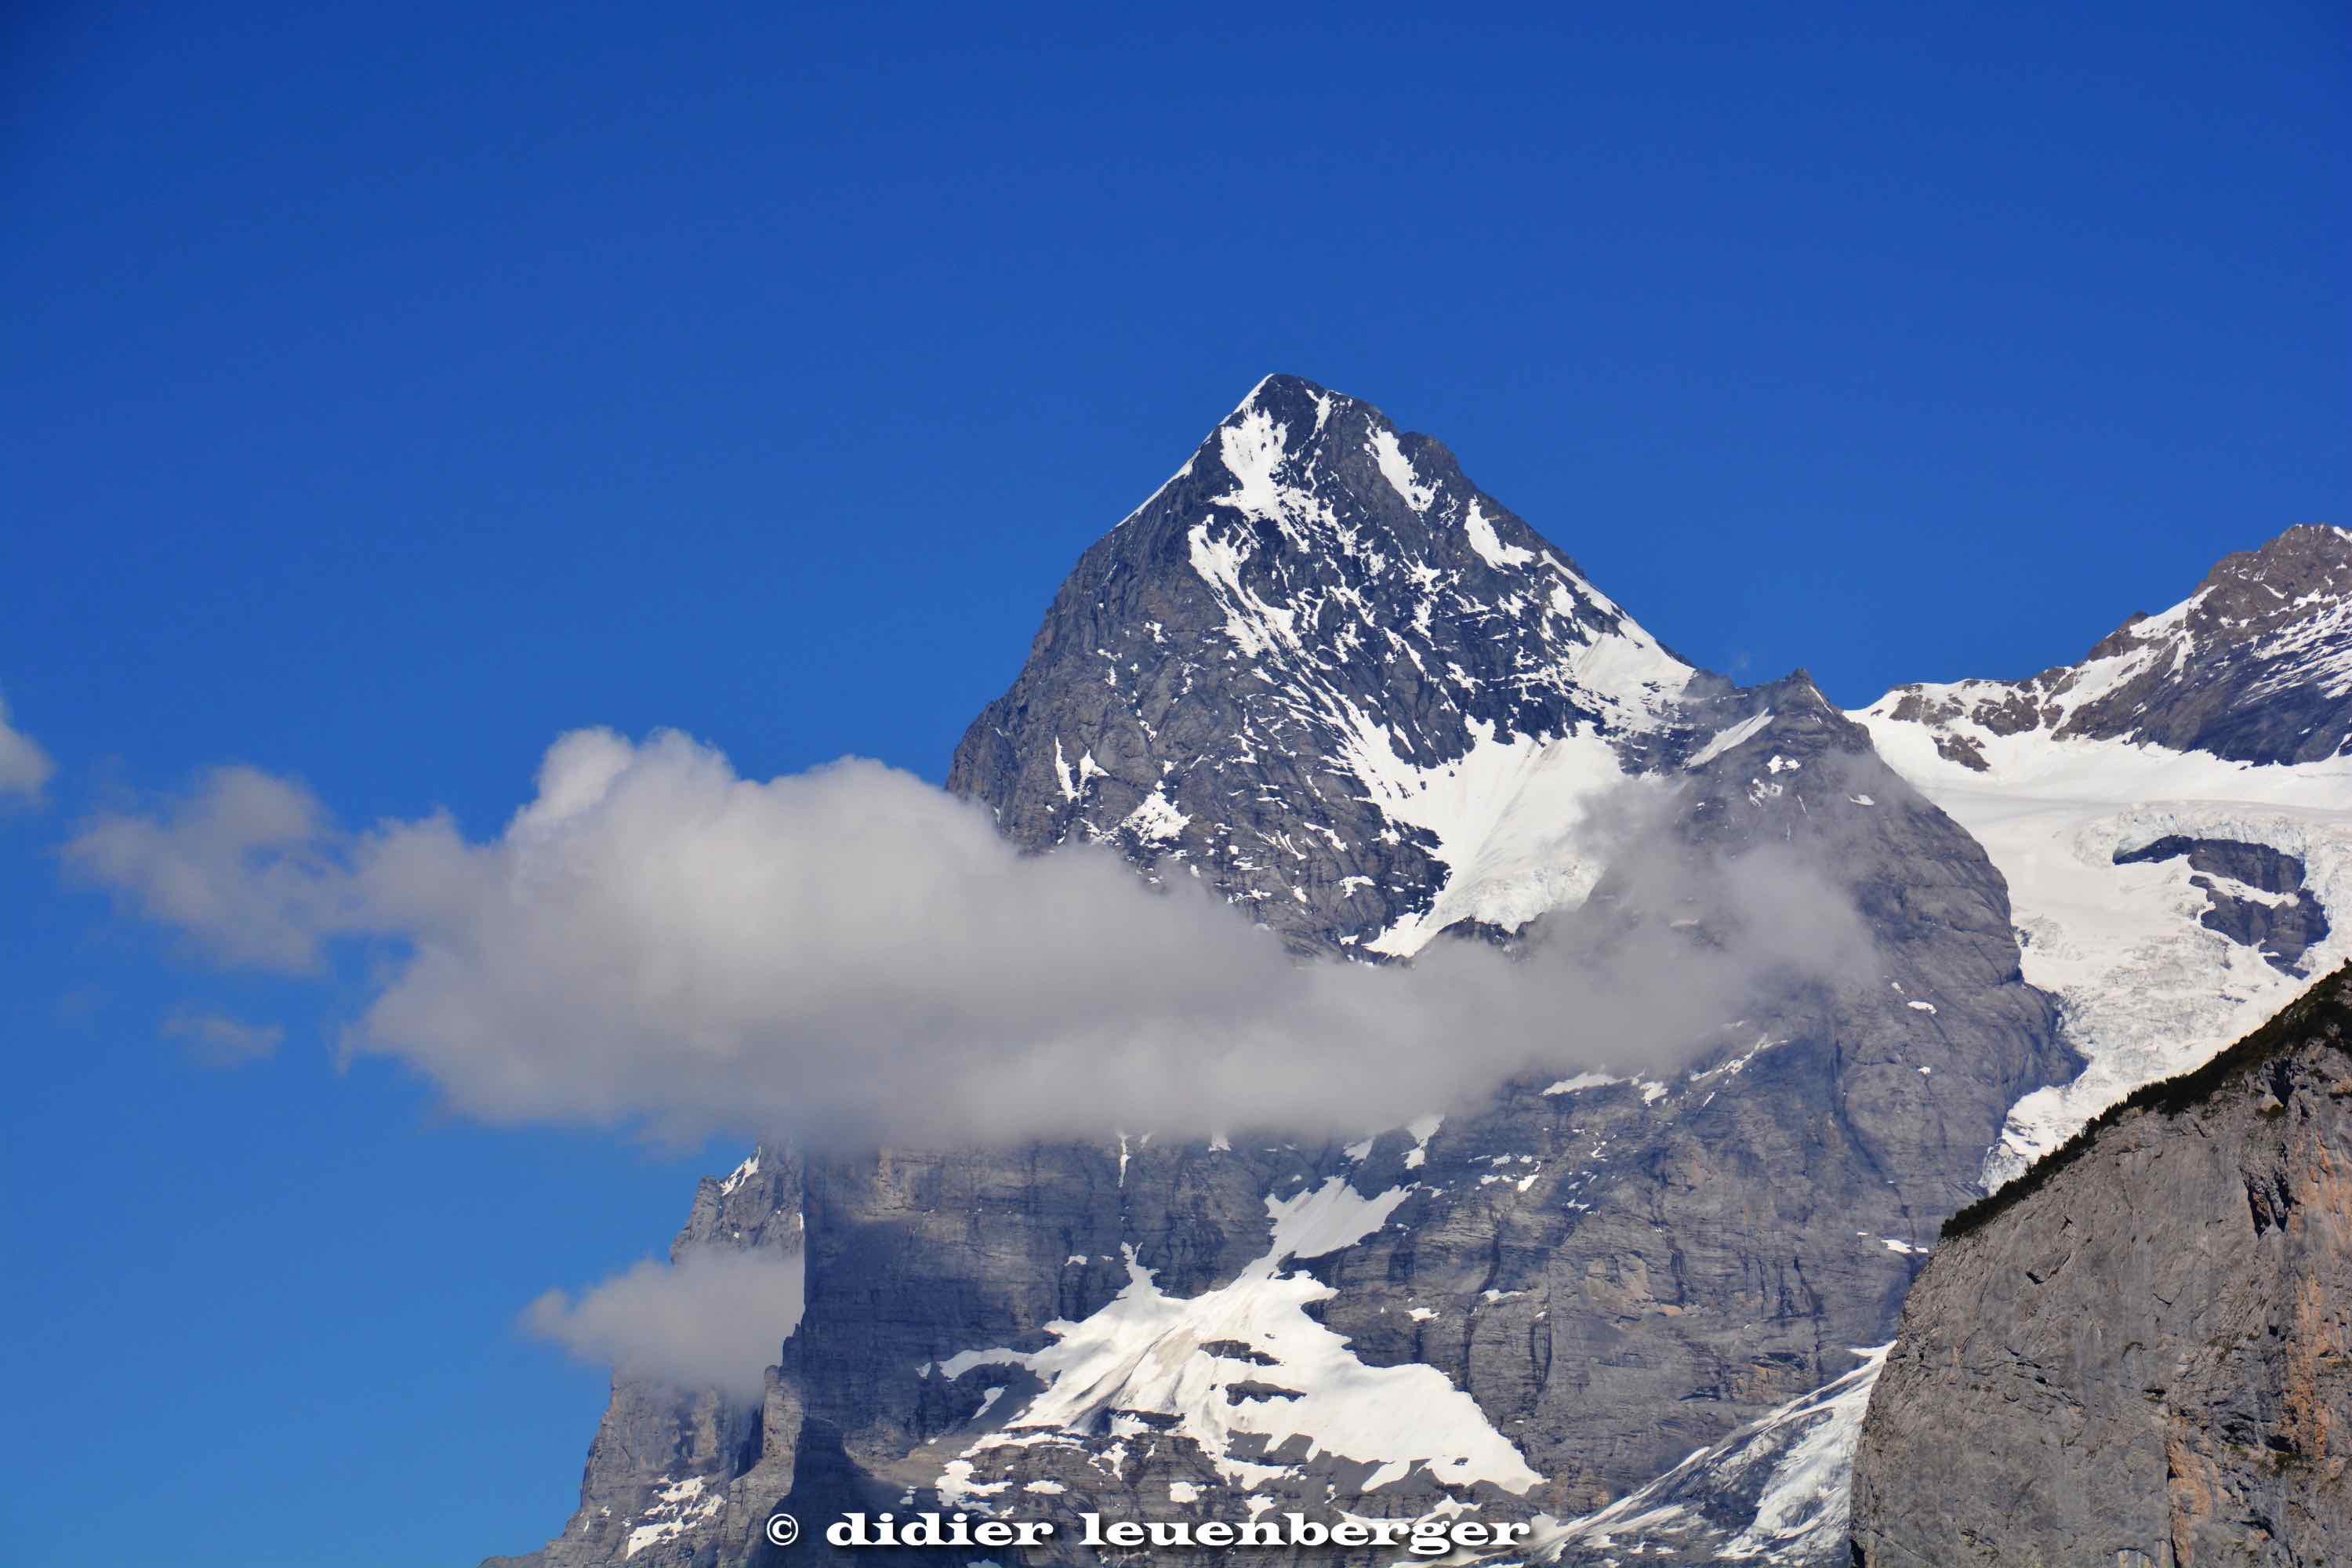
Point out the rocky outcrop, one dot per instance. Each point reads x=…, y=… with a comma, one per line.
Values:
x=2140, y=1353
x=2269, y=909
x=2256, y=666
x=673, y=1471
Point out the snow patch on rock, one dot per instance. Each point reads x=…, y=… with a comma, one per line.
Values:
x=1144, y=1352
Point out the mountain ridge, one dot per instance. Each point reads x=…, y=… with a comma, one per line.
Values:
x=2170, y=896
x=2251, y=667
x=1302, y=542
x=1321, y=671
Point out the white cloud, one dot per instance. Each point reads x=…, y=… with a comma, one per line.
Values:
x=219, y=1040
x=246, y=862
x=713, y=1319
x=24, y=768
x=851, y=953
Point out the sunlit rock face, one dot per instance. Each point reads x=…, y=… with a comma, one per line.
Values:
x=1322, y=671
x=2138, y=1358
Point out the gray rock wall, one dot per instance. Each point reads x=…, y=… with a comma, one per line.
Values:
x=2144, y=1357
x=665, y=1455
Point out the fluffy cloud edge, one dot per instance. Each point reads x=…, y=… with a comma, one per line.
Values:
x=712, y=1319
x=852, y=953
x=24, y=768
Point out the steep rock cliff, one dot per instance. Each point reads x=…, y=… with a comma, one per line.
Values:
x=2140, y=1353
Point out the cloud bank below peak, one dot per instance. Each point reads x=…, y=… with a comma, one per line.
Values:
x=851, y=952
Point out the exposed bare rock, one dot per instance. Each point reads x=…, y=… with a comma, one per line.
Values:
x=2256, y=666
x=660, y=1486
x=2140, y=1353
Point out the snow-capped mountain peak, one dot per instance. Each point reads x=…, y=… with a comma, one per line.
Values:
x=2255, y=666
x=1417, y=689
x=1324, y=674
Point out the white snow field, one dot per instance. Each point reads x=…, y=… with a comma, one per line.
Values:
x=1144, y=1350
x=2147, y=992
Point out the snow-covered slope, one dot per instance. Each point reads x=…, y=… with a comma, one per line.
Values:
x=1324, y=672
x=1774, y=1492
x=2255, y=666
x=2171, y=897
x=1242, y=1371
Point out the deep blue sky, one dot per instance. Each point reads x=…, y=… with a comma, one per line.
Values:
x=389, y=389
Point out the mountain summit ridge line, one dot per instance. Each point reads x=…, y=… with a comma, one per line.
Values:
x=1321, y=672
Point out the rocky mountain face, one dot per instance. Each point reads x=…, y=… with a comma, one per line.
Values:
x=1323, y=675
x=2142, y=1353
x=2255, y=666
x=658, y=1471
x=1773, y=1492
x=1316, y=670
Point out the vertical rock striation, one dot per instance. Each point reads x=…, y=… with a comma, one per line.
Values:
x=2140, y=1353
x=674, y=1472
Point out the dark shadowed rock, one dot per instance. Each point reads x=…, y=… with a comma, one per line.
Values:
x=2282, y=927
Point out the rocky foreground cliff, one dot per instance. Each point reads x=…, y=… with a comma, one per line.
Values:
x=2140, y=1353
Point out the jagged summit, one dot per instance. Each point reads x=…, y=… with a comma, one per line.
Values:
x=1317, y=670
x=2173, y=816
x=2255, y=666
x=1323, y=673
